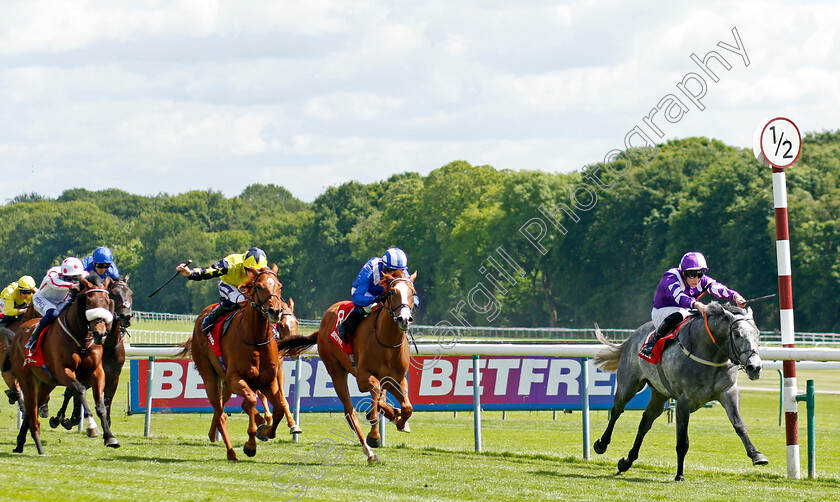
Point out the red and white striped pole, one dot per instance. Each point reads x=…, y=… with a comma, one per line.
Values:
x=778, y=151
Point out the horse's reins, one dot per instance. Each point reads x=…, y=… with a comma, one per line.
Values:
x=393, y=311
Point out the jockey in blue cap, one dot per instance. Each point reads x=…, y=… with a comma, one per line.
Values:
x=366, y=289
x=679, y=290
x=102, y=263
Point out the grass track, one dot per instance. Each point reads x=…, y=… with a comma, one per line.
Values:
x=527, y=456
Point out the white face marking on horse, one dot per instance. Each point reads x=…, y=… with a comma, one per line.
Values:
x=269, y=283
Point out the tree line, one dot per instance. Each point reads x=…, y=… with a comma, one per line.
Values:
x=491, y=247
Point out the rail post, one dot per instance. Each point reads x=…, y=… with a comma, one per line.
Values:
x=808, y=397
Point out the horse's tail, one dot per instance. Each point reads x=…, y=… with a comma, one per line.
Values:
x=186, y=348
x=295, y=345
x=607, y=358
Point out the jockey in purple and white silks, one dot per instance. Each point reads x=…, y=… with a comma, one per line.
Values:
x=679, y=290
x=55, y=293
x=366, y=289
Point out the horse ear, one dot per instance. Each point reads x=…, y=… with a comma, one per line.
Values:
x=251, y=272
x=729, y=315
x=292, y=305
x=107, y=283
x=413, y=276
x=85, y=283
x=274, y=268
x=126, y=278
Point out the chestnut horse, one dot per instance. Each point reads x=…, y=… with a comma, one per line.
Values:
x=113, y=358
x=380, y=347
x=249, y=350
x=72, y=348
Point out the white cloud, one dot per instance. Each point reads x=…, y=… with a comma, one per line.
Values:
x=173, y=95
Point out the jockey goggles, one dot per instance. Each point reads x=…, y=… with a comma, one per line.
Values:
x=694, y=274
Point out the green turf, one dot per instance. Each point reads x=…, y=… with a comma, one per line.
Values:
x=527, y=456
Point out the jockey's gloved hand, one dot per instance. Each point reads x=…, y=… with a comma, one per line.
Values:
x=380, y=298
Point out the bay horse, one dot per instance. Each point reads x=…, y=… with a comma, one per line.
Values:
x=72, y=348
x=7, y=334
x=380, y=346
x=113, y=358
x=701, y=365
x=251, y=359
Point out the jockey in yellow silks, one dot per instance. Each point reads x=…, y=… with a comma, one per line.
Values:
x=231, y=272
x=16, y=298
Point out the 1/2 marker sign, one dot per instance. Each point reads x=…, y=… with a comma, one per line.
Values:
x=780, y=142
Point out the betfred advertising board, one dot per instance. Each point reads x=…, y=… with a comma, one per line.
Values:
x=434, y=384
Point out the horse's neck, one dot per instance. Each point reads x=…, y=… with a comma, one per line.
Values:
x=700, y=339
x=256, y=322
x=71, y=318
x=386, y=328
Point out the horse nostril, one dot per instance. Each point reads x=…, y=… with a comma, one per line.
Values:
x=410, y=319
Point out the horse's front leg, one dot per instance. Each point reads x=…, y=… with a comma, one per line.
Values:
x=400, y=392
x=731, y=402
x=655, y=407
x=683, y=413
x=275, y=395
x=369, y=383
x=249, y=405
x=98, y=388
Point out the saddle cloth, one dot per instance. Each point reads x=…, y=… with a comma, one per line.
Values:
x=656, y=353
x=342, y=313
x=36, y=356
x=217, y=332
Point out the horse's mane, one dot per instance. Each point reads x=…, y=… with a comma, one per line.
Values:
x=717, y=309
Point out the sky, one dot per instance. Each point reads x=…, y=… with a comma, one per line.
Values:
x=171, y=96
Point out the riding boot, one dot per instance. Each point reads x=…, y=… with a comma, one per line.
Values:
x=346, y=328
x=217, y=313
x=667, y=325
x=45, y=321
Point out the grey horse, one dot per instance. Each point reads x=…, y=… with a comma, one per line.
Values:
x=700, y=365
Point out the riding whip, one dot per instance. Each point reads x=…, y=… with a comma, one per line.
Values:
x=170, y=279
x=760, y=298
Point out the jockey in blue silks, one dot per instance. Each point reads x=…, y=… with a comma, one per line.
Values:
x=102, y=263
x=366, y=290
x=679, y=290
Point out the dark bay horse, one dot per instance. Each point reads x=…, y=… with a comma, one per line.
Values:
x=72, y=348
x=7, y=334
x=113, y=358
x=380, y=347
x=250, y=355
x=701, y=365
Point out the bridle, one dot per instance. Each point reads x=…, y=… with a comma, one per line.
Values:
x=386, y=305
x=88, y=340
x=732, y=355
x=259, y=306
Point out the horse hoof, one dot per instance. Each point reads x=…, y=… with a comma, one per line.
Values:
x=112, y=442
x=406, y=428
x=679, y=477
x=55, y=422
x=13, y=396
x=68, y=423
x=18, y=449
x=248, y=451
x=295, y=430
x=759, y=459
x=93, y=432
x=373, y=442
x=624, y=464
x=231, y=455
x=260, y=434
x=599, y=447
x=44, y=412
x=373, y=458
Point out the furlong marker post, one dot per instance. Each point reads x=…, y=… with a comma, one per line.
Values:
x=778, y=145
